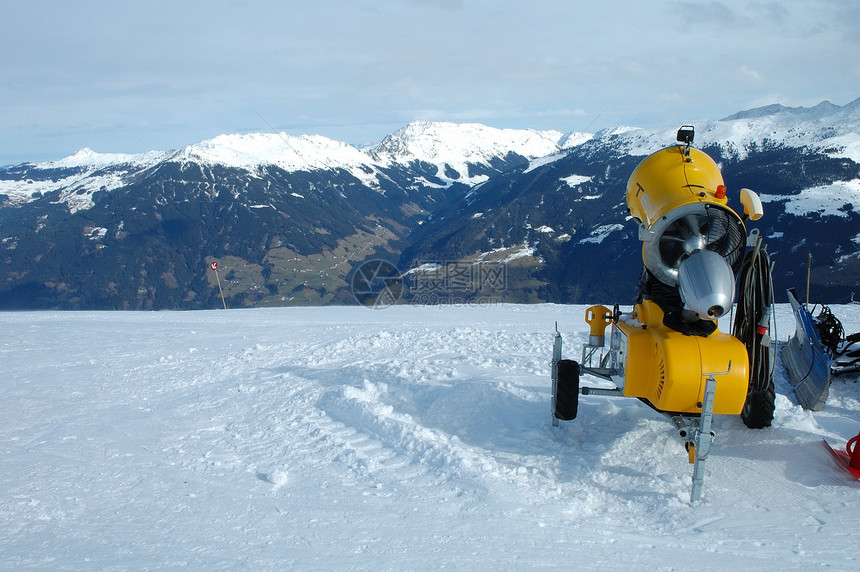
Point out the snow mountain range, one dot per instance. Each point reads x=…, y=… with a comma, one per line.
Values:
x=290, y=218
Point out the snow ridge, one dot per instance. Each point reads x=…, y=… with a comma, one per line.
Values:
x=825, y=127
x=443, y=141
x=452, y=146
x=248, y=151
x=83, y=173
x=453, y=149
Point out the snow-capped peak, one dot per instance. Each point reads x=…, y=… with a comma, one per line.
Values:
x=87, y=173
x=822, y=109
x=90, y=160
x=445, y=142
x=574, y=138
x=291, y=153
x=824, y=126
x=456, y=146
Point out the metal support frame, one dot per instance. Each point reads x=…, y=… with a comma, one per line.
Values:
x=588, y=352
x=590, y=355
x=704, y=438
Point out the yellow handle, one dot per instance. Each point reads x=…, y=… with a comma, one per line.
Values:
x=598, y=317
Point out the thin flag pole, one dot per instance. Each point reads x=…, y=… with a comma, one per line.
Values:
x=214, y=266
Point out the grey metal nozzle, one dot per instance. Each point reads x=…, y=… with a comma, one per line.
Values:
x=707, y=284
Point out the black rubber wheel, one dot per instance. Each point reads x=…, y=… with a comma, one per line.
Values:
x=759, y=407
x=567, y=391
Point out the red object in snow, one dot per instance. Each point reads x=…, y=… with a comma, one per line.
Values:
x=853, y=452
x=850, y=459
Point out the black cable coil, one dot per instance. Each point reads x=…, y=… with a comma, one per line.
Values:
x=755, y=306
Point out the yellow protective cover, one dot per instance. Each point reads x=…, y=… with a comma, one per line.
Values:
x=669, y=179
x=669, y=368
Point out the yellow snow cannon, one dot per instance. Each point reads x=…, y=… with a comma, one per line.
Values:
x=668, y=351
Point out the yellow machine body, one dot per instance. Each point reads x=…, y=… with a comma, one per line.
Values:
x=672, y=178
x=669, y=369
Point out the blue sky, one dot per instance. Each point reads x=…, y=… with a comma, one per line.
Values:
x=127, y=77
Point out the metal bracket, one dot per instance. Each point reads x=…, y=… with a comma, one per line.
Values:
x=601, y=391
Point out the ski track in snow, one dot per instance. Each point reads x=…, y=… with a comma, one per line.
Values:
x=409, y=438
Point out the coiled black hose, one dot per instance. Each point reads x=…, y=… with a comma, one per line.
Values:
x=752, y=328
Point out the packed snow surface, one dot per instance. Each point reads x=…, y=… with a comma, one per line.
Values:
x=411, y=438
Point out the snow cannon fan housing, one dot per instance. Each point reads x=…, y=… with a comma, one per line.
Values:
x=690, y=238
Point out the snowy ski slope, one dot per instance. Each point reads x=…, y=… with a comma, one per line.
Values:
x=402, y=439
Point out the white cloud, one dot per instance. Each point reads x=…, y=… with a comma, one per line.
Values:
x=746, y=73
x=161, y=74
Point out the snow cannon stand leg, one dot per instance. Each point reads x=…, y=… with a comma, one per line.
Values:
x=850, y=459
x=698, y=436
